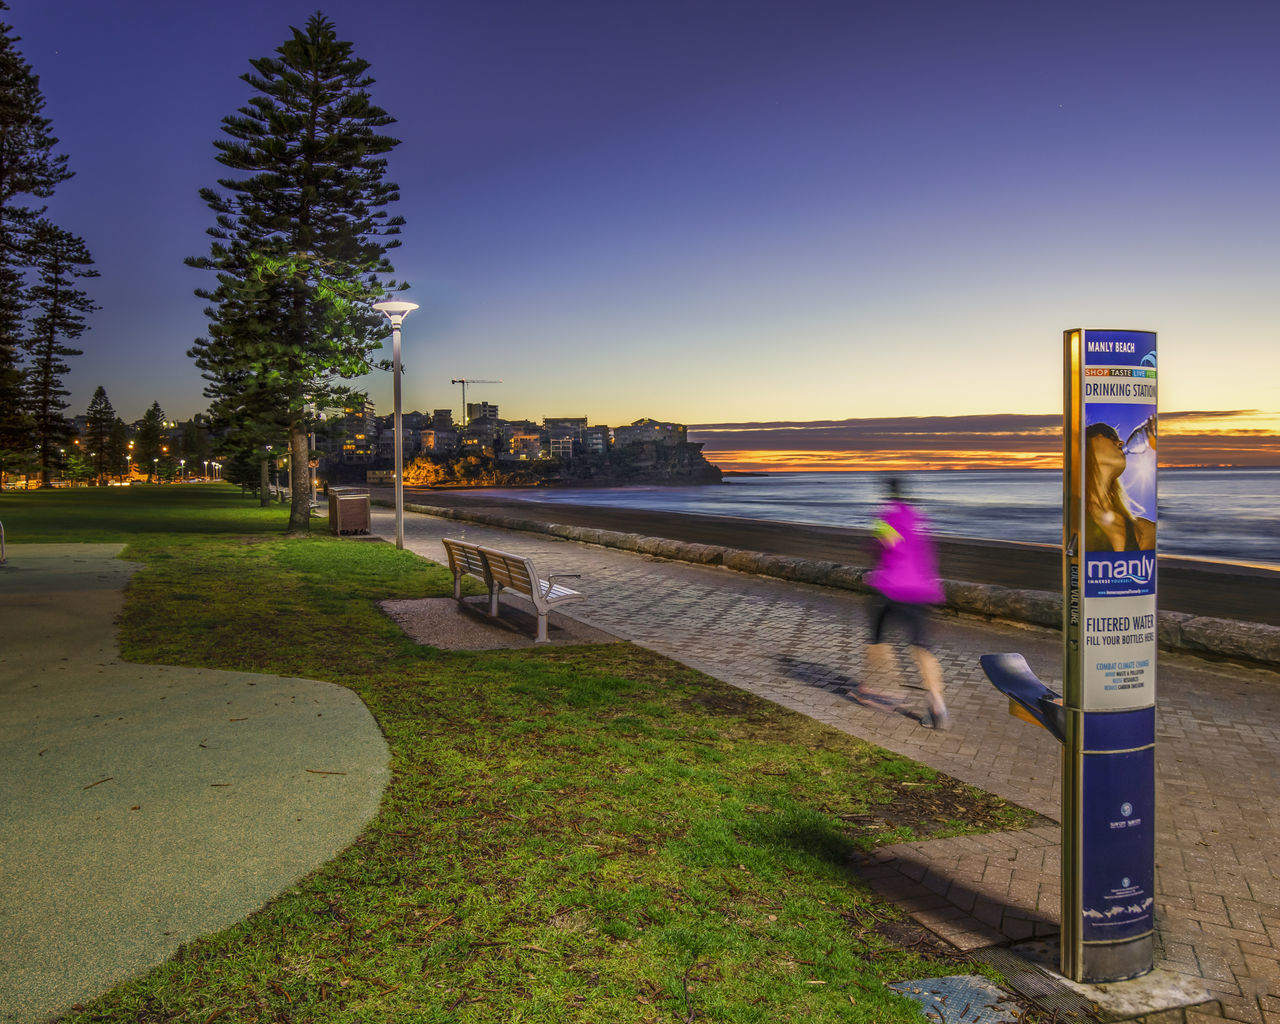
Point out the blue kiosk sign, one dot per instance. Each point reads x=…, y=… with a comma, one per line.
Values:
x=1106, y=718
x=1109, y=568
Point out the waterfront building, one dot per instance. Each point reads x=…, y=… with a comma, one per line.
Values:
x=652, y=432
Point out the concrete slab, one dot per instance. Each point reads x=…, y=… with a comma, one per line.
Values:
x=467, y=626
x=143, y=806
x=1156, y=992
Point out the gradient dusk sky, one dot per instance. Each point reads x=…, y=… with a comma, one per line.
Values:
x=729, y=213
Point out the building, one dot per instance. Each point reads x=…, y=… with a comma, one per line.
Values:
x=477, y=411
x=652, y=432
x=595, y=440
x=410, y=441
x=439, y=440
x=360, y=433
x=525, y=445
x=563, y=434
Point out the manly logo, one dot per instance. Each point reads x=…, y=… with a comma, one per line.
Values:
x=1120, y=574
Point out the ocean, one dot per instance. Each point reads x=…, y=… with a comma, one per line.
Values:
x=1223, y=515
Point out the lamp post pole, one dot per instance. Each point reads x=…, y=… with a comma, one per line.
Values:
x=396, y=311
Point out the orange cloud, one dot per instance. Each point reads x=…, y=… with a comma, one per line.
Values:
x=1228, y=438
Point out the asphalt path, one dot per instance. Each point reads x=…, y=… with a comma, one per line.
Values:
x=1217, y=589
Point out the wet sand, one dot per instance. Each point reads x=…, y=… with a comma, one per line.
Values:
x=1218, y=590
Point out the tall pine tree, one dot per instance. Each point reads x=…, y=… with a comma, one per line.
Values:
x=59, y=259
x=101, y=419
x=300, y=243
x=29, y=169
x=117, y=449
x=148, y=445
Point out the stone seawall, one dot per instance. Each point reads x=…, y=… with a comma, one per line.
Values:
x=1219, y=638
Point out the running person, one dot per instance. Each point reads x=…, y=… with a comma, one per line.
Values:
x=906, y=583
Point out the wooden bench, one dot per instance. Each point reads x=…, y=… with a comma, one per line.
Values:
x=501, y=570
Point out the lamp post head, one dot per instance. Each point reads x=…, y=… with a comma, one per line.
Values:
x=395, y=310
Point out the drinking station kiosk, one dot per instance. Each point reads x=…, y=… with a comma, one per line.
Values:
x=1105, y=719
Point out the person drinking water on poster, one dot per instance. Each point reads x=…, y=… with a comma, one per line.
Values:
x=1114, y=521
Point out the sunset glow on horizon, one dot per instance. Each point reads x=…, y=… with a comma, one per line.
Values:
x=1187, y=440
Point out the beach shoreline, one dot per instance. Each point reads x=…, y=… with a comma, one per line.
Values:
x=1192, y=586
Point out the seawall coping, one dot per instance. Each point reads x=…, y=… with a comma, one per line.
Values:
x=1253, y=642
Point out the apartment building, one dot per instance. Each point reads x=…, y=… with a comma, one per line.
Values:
x=652, y=432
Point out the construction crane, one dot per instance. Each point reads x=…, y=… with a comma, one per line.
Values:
x=464, y=381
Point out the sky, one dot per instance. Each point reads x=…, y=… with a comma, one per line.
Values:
x=816, y=231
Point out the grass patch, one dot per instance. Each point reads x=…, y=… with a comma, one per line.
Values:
x=570, y=834
x=116, y=515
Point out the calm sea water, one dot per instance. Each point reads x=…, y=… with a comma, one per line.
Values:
x=1217, y=514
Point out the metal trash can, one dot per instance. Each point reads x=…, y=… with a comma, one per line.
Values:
x=348, y=510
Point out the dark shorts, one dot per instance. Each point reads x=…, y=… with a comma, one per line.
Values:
x=913, y=618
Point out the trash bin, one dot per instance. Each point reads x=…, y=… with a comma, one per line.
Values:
x=348, y=510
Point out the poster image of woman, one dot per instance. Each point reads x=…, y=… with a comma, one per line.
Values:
x=1113, y=521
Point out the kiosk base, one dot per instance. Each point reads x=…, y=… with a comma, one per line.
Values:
x=1117, y=961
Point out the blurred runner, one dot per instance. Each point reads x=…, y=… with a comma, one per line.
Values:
x=906, y=583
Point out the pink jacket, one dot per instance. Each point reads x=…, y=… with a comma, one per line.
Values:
x=908, y=566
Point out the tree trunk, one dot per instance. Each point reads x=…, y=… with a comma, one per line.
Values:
x=264, y=485
x=299, y=477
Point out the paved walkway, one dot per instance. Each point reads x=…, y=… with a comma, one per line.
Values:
x=1218, y=838
x=142, y=806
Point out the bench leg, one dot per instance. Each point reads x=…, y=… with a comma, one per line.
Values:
x=542, y=637
x=493, y=600
x=457, y=586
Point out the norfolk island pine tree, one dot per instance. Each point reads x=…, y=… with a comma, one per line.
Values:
x=300, y=244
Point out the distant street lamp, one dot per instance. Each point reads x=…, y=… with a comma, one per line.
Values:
x=206, y=469
x=396, y=311
x=182, y=470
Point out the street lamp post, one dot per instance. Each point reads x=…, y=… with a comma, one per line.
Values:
x=396, y=311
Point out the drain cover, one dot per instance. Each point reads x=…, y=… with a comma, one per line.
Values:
x=960, y=999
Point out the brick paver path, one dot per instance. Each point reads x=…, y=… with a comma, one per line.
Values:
x=1218, y=831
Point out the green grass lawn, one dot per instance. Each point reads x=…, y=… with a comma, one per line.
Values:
x=118, y=514
x=570, y=834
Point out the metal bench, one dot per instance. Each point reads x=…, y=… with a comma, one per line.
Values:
x=501, y=570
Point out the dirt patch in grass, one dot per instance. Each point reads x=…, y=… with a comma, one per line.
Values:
x=939, y=804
